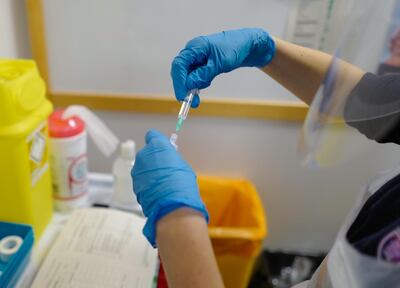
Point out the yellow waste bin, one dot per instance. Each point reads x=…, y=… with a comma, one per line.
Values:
x=237, y=226
x=25, y=194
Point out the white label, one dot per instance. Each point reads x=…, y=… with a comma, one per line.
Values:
x=69, y=167
x=37, y=148
x=77, y=175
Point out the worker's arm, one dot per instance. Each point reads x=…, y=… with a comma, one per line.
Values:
x=186, y=251
x=300, y=70
x=166, y=188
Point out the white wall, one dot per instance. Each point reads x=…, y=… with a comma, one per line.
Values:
x=13, y=30
x=304, y=208
x=130, y=49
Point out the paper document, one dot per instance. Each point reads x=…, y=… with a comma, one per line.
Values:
x=100, y=248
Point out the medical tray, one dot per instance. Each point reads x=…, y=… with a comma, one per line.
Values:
x=10, y=271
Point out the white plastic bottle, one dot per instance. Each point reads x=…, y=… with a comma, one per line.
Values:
x=68, y=145
x=68, y=131
x=123, y=196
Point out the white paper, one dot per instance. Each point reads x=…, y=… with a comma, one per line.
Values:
x=100, y=248
x=41, y=249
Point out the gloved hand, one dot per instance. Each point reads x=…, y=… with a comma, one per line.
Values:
x=205, y=57
x=163, y=182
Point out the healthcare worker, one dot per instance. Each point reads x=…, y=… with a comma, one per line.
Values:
x=367, y=250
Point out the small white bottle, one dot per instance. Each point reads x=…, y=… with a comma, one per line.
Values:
x=123, y=197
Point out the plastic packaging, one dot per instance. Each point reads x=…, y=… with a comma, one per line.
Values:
x=292, y=275
x=24, y=159
x=123, y=196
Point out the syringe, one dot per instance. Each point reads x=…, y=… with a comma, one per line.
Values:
x=183, y=112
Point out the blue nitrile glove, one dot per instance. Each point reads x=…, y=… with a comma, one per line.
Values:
x=163, y=182
x=205, y=57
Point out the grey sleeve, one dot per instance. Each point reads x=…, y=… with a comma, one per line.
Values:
x=373, y=107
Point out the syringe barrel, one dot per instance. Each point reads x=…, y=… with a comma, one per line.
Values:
x=187, y=103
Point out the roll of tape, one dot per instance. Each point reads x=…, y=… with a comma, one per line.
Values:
x=9, y=246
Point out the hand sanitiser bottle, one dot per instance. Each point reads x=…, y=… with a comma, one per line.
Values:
x=123, y=197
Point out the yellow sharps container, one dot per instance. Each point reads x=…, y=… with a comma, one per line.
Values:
x=25, y=192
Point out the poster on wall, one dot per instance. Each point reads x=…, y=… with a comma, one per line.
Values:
x=318, y=24
x=308, y=23
x=390, y=61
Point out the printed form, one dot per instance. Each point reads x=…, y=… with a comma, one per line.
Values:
x=100, y=248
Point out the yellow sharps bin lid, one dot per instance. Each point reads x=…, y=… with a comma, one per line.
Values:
x=22, y=96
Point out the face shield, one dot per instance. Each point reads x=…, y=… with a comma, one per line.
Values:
x=350, y=99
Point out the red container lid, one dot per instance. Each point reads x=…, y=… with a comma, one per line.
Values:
x=63, y=128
